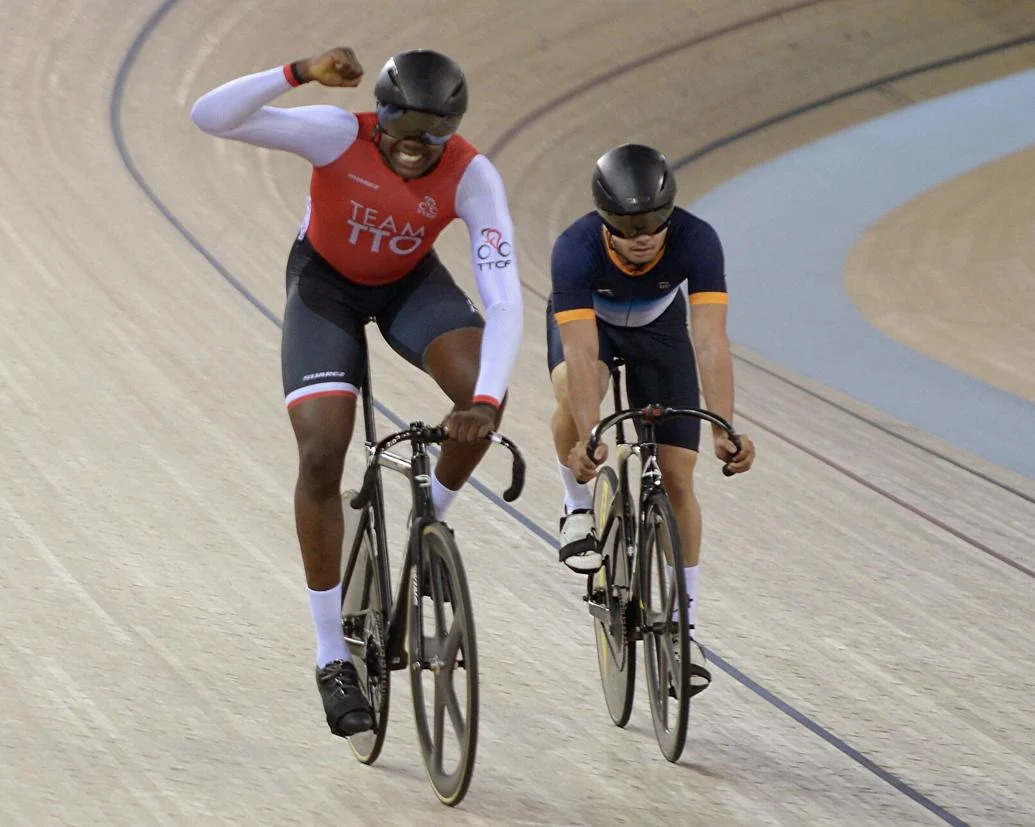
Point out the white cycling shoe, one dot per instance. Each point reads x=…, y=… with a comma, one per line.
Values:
x=579, y=550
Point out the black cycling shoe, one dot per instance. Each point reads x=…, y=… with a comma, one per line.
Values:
x=344, y=701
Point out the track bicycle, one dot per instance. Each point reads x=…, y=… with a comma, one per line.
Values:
x=639, y=594
x=428, y=628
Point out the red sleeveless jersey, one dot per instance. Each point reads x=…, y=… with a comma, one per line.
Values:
x=371, y=225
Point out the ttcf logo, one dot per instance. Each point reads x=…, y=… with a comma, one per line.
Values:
x=494, y=251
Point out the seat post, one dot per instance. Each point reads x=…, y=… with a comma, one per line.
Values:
x=368, y=397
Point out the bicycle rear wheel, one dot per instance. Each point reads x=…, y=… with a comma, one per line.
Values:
x=364, y=608
x=665, y=627
x=445, y=678
x=616, y=650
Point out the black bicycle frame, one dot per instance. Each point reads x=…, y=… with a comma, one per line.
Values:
x=634, y=534
x=370, y=501
x=418, y=469
x=645, y=449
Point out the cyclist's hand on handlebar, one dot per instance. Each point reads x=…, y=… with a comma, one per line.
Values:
x=471, y=425
x=335, y=67
x=738, y=461
x=581, y=465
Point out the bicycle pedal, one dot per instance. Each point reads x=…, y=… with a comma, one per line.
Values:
x=597, y=598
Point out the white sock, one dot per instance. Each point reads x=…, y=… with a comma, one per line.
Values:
x=330, y=642
x=691, y=575
x=576, y=494
x=441, y=497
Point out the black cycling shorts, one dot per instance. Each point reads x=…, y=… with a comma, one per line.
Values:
x=659, y=366
x=323, y=346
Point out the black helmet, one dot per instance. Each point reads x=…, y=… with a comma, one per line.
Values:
x=631, y=179
x=634, y=180
x=423, y=80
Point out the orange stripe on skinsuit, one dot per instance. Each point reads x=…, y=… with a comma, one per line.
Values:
x=574, y=315
x=709, y=298
x=318, y=395
x=486, y=400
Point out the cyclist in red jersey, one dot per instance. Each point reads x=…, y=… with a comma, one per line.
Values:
x=384, y=185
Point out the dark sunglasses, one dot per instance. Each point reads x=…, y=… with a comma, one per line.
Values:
x=637, y=224
x=427, y=127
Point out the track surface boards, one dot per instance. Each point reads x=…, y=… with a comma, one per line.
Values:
x=870, y=602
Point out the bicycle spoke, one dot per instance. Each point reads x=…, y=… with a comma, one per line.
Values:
x=669, y=600
x=438, y=593
x=440, y=727
x=670, y=651
x=451, y=644
x=668, y=670
x=452, y=704
x=445, y=648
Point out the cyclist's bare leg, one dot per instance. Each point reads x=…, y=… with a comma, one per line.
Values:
x=577, y=546
x=677, y=469
x=562, y=423
x=323, y=427
x=453, y=360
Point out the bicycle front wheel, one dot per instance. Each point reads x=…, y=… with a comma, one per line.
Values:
x=363, y=610
x=665, y=629
x=444, y=665
x=609, y=589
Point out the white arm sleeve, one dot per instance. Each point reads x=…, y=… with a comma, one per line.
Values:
x=482, y=203
x=237, y=110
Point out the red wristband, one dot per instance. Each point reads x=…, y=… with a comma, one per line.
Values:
x=483, y=399
x=291, y=74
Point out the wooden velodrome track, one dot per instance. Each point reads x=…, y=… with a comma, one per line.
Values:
x=867, y=593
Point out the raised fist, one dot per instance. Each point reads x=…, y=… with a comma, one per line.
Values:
x=335, y=67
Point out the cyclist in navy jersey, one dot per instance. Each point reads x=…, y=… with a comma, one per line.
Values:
x=622, y=278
